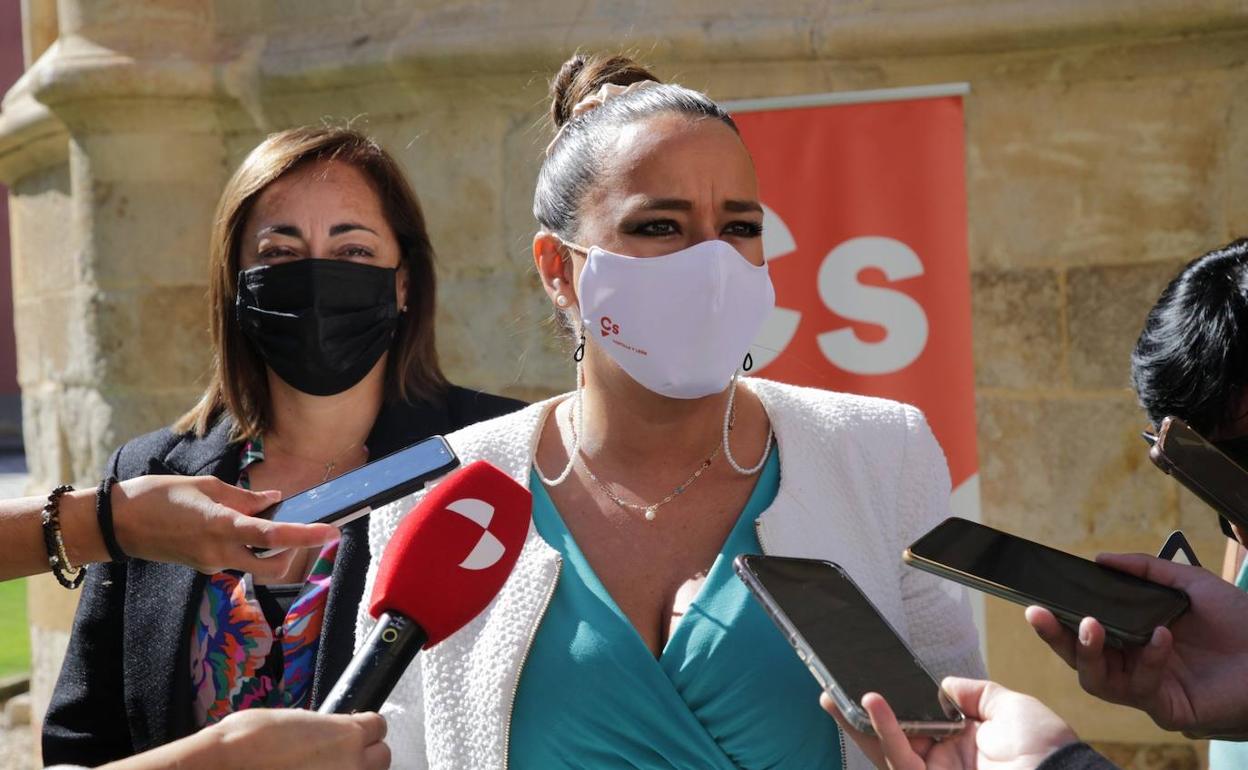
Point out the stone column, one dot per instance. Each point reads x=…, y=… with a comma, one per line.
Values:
x=116, y=157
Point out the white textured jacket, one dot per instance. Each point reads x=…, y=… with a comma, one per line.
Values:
x=861, y=478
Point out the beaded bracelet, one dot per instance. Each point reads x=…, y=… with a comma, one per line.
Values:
x=66, y=574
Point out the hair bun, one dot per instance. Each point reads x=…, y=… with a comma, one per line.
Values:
x=582, y=75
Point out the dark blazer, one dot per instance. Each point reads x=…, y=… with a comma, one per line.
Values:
x=125, y=685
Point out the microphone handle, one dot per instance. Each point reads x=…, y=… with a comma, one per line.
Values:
x=376, y=668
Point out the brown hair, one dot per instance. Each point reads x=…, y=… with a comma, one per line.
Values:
x=239, y=385
x=573, y=161
x=583, y=74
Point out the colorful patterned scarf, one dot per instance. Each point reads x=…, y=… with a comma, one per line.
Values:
x=234, y=664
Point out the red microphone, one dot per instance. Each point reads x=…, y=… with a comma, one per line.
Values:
x=444, y=564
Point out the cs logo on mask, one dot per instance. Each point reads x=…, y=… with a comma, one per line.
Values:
x=609, y=327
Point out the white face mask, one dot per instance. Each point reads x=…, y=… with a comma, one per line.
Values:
x=679, y=324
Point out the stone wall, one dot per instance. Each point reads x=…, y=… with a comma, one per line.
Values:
x=1105, y=144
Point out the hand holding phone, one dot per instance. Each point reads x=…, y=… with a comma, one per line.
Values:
x=1190, y=676
x=1011, y=730
x=1028, y=573
x=850, y=648
x=356, y=492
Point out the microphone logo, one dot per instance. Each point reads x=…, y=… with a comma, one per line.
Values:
x=489, y=549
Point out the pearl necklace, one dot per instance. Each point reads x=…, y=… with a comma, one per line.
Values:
x=730, y=417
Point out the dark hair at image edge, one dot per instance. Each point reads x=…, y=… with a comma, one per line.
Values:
x=1191, y=360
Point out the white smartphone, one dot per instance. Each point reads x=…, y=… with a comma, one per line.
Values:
x=847, y=644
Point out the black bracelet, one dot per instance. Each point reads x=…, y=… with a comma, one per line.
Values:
x=104, y=515
x=58, y=560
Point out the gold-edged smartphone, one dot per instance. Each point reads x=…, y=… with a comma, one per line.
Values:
x=1200, y=466
x=1026, y=572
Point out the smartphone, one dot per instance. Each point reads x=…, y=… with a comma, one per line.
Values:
x=848, y=646
x=355, y=493
x=1203, y=468
x=1026, y=572
x=1178, y=550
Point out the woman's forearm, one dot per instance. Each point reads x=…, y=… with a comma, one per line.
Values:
x=22, y=550
x=201, y=522
x=190, y=753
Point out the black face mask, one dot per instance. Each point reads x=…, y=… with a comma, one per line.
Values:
x=321, y=324
x=1234, y=448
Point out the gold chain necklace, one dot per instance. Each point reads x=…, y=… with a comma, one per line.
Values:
x=649, y=511
x=329, y=466
x=332, y=464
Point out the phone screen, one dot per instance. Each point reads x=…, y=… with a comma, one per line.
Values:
x=1204, y=469
x=848, y=635
x=376, y=483
x=1049, y=577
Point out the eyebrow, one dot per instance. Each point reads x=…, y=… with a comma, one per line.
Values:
x=680, y=204
x=743, y=206
x=291, y=231
x=346, y=227
x=288, y=230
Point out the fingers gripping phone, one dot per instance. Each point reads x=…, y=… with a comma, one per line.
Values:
x=848, y=646
x=1070, y=587
x=356, y=492
x=1203, y=468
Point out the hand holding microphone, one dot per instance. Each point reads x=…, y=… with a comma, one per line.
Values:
x=444, y=564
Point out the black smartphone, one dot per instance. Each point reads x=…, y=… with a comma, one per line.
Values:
x=1203, y=468
x=1026, y=572
x=846, y=643
x=355, y=493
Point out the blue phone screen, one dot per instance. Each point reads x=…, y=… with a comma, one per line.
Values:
x=353, y=490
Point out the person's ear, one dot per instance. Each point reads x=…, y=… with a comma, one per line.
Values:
x=554, y=265
x=401, y=278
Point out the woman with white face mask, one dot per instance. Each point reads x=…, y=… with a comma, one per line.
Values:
x=623, y=638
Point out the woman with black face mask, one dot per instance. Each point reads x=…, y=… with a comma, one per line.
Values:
x=322, y=304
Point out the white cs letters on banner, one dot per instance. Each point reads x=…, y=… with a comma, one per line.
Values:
x=903, y=319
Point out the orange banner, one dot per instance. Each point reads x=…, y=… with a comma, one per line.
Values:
x=866, y=237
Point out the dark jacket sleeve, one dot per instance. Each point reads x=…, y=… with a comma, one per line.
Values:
x=1076, y=756
x=86, y=722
